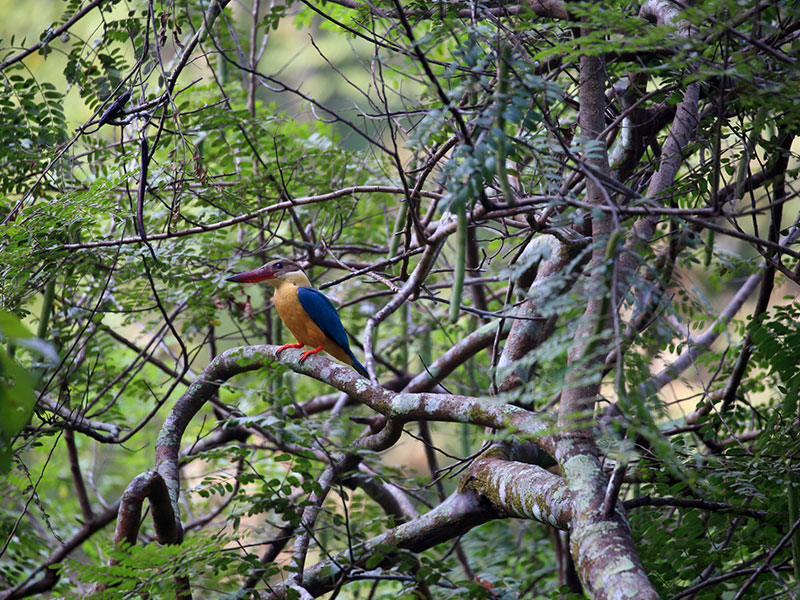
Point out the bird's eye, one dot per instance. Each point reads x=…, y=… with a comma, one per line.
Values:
x=278, y=266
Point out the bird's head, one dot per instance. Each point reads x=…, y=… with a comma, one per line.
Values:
x=274, y=272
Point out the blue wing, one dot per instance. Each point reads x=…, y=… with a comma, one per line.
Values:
x=323, y=313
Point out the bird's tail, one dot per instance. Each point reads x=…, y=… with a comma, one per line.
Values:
x=358, y=366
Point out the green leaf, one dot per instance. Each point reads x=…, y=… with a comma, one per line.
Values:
x=12, y=327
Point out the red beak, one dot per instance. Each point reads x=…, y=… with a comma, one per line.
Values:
x=254, y=276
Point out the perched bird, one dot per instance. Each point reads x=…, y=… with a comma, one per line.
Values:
x=306, y=312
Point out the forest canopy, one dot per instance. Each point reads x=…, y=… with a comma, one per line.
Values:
x=562, y=238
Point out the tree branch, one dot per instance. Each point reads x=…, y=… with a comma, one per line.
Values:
x=452, y=518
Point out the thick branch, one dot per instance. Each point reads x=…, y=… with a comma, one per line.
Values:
x=519, y=490
x=150, y=486
x=526, y=333
x=601, y=546
x=399, y=407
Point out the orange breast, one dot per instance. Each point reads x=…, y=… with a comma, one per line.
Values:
x=300, y=324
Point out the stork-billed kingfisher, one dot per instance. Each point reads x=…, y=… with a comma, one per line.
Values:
x=306, y=312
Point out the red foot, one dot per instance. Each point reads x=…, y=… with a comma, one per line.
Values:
x=285, y=346
x=308, y=352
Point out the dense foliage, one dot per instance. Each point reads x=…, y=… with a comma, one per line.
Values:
x=561, y=235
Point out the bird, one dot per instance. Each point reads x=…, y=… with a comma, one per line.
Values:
x=307, y=313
